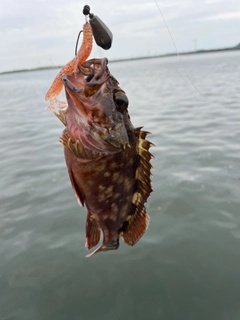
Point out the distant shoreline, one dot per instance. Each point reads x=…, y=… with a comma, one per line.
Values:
x=131, y=59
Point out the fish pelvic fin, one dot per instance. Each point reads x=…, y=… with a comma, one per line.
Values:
x=92, y=233
x=113, y=245
x=135, y=227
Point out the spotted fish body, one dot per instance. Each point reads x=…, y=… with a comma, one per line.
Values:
x=108, y=160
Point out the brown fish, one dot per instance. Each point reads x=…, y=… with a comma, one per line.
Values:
x=107, y=159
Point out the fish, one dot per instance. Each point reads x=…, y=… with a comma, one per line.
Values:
x=108, y=160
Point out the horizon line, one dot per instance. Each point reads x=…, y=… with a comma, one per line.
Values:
x=135, y=58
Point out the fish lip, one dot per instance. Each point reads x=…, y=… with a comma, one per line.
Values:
x=69, y=85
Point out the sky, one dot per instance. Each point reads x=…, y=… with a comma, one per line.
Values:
x=38, y=33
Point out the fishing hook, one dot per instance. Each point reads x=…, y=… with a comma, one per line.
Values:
x=77, y=41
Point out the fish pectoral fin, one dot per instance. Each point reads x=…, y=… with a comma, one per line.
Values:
x=77, y=148
x=77, y=192
x=61, y=116
x=66, y=140
x=92, y=233
x=136, y=227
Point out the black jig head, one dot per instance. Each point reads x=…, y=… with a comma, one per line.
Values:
x=101, y=33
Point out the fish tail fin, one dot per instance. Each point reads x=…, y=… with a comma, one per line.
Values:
x=92, y=233
x=136, y=227
x=113, y=245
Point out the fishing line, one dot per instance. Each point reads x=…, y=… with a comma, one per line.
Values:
x=178, y=54
x=182, y=63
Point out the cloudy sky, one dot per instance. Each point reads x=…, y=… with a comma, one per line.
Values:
x=36, y=33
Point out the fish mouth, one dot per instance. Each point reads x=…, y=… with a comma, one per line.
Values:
x=87, y=81
x=90, y=76
x=69, y=83
x=113, y=245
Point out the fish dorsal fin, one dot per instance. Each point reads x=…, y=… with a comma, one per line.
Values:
x=137, y=222
x=137, y=225
x=143, y=172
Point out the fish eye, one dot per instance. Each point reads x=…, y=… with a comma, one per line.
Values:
x=121, y=101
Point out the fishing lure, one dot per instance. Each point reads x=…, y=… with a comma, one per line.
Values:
x=103, y=36
x=81, y=57
x=101, y=33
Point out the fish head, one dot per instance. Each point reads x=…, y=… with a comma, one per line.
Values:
x=97, y=106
